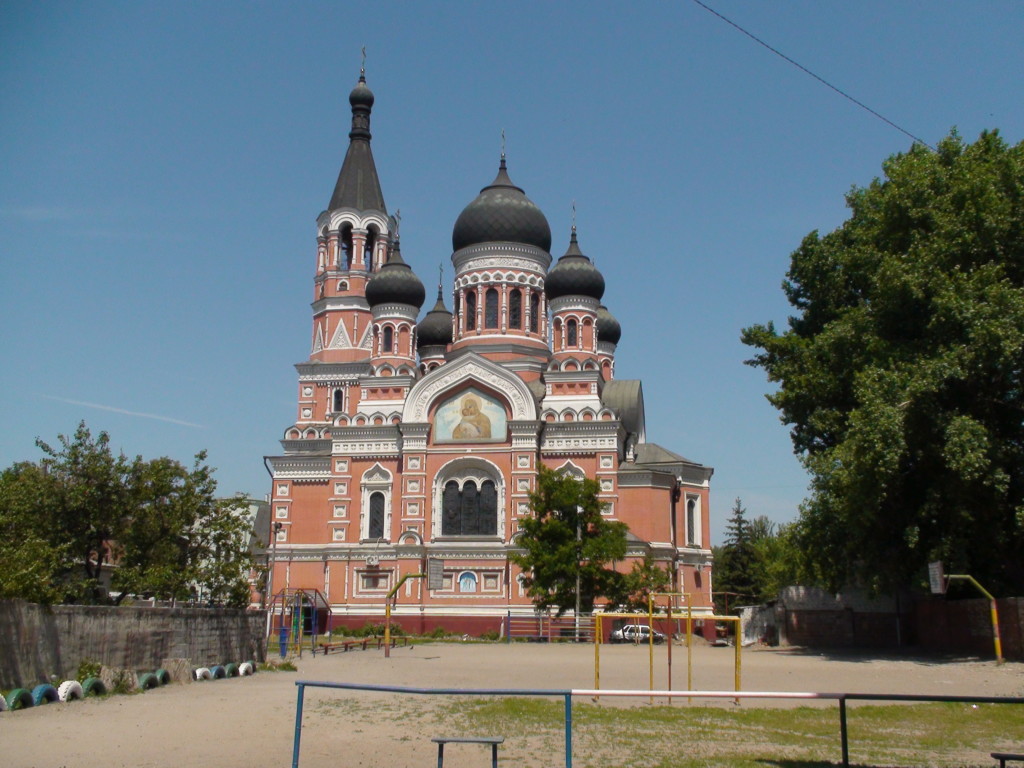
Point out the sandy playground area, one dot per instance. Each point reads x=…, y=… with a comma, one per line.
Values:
x=250, y=722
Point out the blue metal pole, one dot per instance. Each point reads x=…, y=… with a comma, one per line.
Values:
x=298, y=725
x=568, y=730
x=843, y=734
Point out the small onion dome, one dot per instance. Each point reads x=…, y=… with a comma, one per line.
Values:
x=574, y=275
x=361, y=95
x=395, y=283
x=501, y=213
x=608, y=328
x=435, y=330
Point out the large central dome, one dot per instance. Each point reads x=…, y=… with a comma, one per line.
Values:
x=501, y=213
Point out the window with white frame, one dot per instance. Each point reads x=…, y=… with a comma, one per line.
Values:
x=692, y=521
x=375, y=515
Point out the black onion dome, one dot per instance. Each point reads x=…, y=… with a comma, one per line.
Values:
x=395, y=283
x=574, y=275
x=361, y=95
x=608, y=328
x=501, y=213
x=436, y=328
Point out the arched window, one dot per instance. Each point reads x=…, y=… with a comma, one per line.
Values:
x=367, y=256
x=570, y=333
x=339, y=400
x=515, y=309
x=469, y=511
x=691, y=522
x=345, y=261
x=470, y=310
x=467, y=582
x=376, y=526
x=387, y=345
x=534, y=312
x=491, y=308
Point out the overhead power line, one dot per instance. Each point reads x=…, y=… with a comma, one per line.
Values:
x=821, y=80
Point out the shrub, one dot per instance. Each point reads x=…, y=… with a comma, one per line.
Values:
x=88, y=668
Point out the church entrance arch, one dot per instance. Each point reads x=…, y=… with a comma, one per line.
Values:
x=468, y=500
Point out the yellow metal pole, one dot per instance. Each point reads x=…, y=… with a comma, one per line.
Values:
x=689, y=649
x=669, y=648
x=739, y=647
x=650, y=641
x=993, y=610
x=387, y=609
x=598, y=635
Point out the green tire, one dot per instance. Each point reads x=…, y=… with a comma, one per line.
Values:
x=231, y=670
x=93, y=686
x=148, y=681
x=163, y=676
x=19, y=698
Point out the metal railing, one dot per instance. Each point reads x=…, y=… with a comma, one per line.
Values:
x=568, y=694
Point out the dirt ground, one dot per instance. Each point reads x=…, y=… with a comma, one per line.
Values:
x=247, y=722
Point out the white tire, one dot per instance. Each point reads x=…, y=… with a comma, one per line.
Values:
x=3, y=704
x=245, y=668
x=203, y=673
x=70, y=690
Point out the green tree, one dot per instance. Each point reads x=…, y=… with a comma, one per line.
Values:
x=567, y=542
x=735, y=563
x=643, y=580
x=32, y=558
x=902, y=371
x=158, y=524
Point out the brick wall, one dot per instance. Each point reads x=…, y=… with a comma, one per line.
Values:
x=39, y=641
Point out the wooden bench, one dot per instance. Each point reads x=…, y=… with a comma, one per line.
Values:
x=1002, y=757
x=345, y=645
x=494, y=741
x=395, y=640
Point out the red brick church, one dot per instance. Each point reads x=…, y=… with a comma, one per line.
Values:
x=417, y=440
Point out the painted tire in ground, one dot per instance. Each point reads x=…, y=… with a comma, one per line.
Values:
x=202, y=674
x=148, y=681
x=231, y=670
x=44, y=694
x=93, y=686
x=245, y=668
x=252, y=664
x=218, y=672
x=19, y=698
x=70, y=690
x=3, y=704
x=163, y=676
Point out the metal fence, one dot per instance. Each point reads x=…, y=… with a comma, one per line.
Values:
x=568, y=694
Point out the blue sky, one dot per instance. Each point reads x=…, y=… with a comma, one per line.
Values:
x=162, y=166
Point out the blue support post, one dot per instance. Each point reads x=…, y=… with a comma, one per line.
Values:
x=568, y=730
x=298, y=726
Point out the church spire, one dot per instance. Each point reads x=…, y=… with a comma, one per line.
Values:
x=358, y=186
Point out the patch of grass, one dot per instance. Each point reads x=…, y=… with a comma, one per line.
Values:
x=686, y=737
x=273, y=665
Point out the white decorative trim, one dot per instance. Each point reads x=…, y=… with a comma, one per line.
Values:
x=469, y=367
x=341, y=340
x=376, y=479
x=462, y=470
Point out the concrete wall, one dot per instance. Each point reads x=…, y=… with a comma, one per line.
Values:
x=39, y=641
x=810, y=617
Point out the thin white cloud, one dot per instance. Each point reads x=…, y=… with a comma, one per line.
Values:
x=112, y=409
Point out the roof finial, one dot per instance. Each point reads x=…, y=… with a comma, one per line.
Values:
x=398, y=220
x=362, y=66
x=440, y=275
x=574, y=216
x=502, y=145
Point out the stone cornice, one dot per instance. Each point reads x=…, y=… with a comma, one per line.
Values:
x=320, y=372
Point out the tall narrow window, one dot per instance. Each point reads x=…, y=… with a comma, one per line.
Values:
x=515, y=309
x=491, y=308
x=470, y=510
x=367, y=255
x=570, y=333
x=375, y=529
x=339, y=400
x=451, y=510
x=470, y=310
x=488, y=520
x=388, y=340
x=691, y=522
x=534, y=312
x=345, y=261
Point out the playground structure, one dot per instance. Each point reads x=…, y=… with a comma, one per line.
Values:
x=686, y=614
x=296, y=613
x=545, y=628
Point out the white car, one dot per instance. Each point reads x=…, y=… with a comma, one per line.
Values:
x=636, y=633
